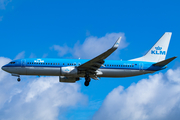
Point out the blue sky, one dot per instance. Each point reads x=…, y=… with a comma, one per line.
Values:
x=63, y=29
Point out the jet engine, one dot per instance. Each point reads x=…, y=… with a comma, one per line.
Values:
x=68, y=79
x=69, y=71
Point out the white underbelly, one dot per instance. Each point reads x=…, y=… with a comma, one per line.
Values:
x=55, y=71
x=49, y=71
x=122, y=72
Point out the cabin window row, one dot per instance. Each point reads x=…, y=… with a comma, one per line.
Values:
x=119, y=65
x=78, y=64
x=43, y=63
x=51, y=63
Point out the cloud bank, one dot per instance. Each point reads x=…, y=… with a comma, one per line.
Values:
x=36, y=98
x=155, y=98
x=3, y=3
x=92, y=46
x=20, y=55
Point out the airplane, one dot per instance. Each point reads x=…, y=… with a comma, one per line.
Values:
x=71, y=70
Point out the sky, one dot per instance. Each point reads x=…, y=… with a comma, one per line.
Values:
x=84, y=29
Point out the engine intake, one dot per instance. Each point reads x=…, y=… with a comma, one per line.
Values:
x=69, y=71
x=68, y=79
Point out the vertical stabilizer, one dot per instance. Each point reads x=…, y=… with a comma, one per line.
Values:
x=159, y=51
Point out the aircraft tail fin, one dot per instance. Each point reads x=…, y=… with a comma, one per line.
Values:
x=159, y=51
x=164, y=62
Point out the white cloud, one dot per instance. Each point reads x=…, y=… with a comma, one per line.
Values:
x=20, y=55
x=32, y=55
x=61, y=50
x=36, y=98
x=3, y=61
x=156, y=98
x=45, y=55
x=93, y=46
x=3, y=3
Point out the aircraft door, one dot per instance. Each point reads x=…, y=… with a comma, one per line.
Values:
x=140, y=66
x=23, y=63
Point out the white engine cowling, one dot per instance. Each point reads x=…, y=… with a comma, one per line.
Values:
x=68, y=79
x=69, y=71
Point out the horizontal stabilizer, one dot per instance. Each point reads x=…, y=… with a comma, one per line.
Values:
x=164, y=62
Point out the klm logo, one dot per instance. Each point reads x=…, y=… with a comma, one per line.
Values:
x=158, y=51
x=67, y=70
x=39, y=60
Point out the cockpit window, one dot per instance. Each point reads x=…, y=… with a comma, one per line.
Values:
x=12, y=63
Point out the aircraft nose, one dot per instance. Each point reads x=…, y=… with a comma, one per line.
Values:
x=2, y=67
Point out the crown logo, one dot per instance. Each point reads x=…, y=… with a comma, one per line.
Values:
x=67, y=70
x=158, y=48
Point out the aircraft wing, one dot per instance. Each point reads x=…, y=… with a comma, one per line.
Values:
x=92, y=65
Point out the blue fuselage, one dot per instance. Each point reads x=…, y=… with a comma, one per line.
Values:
x=52, y=67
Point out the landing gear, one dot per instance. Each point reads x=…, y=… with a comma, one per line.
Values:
x=18, y=79
x=86, y=83
x=87, y=80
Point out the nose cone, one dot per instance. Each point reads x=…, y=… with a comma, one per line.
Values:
x=2, y=67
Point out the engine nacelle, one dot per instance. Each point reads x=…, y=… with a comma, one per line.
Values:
x=69, y=71
x=68, y=79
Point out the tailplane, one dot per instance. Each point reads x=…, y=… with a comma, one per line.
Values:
x=159, y=51
x=164, y=62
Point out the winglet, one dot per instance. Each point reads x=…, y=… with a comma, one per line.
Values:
x=117, y=43
x=165, y=62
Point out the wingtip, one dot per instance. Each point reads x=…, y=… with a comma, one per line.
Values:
x=117, y=43
x=170, y=33
x=175, y=57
